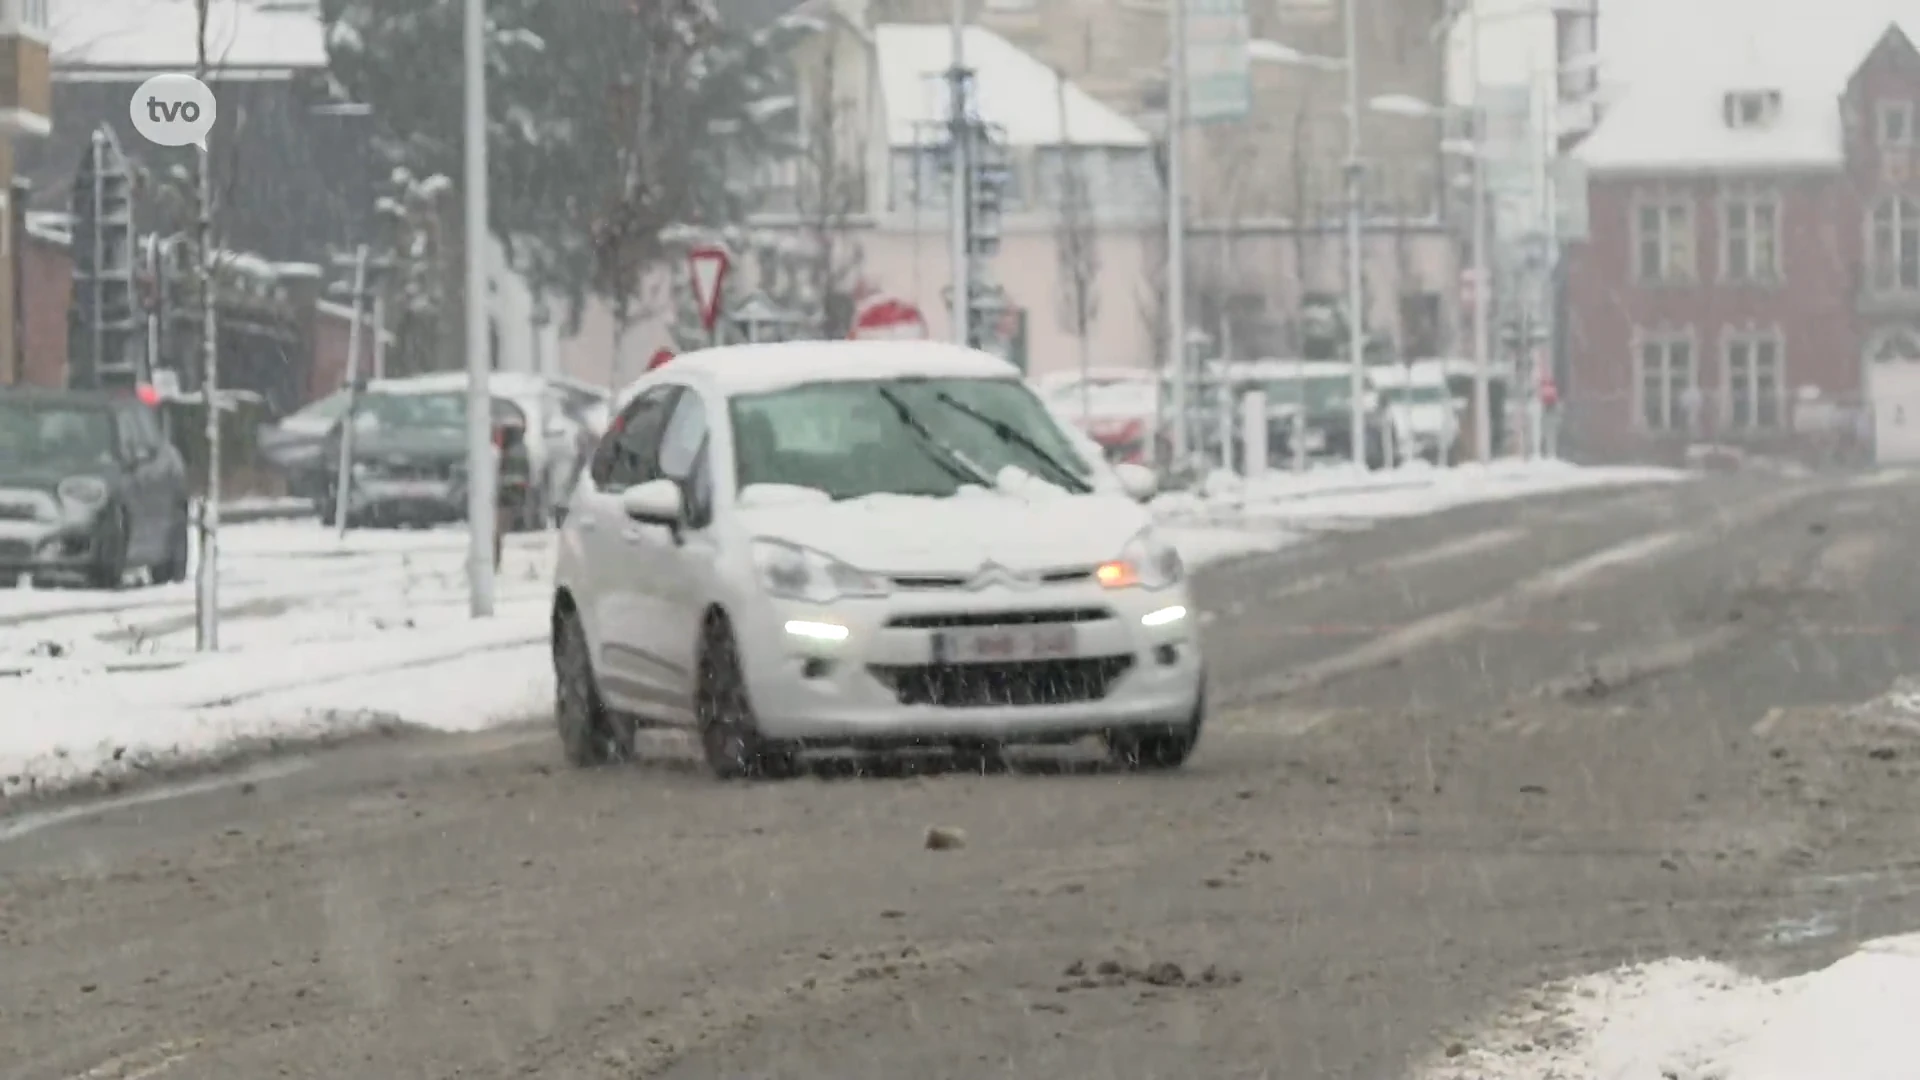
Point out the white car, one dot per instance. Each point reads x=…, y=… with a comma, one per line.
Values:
x=869, y=545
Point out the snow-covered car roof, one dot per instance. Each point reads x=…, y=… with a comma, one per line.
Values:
x=1289, y=369
x=752, y=369
x=1421, y=373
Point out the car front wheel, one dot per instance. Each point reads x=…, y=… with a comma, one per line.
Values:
x=729, y=733
x=1160, y=750
x=109, y=569
x=590, y=733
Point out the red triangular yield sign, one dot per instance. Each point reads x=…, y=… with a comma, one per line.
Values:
x=707, y=269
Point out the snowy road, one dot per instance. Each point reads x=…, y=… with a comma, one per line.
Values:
x=1460, y=757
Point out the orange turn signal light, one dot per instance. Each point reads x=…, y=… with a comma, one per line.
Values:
x=1116, y=575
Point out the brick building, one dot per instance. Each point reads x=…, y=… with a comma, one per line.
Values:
x=1753, y=277
x=25, y=117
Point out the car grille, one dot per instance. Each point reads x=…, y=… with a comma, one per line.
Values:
x=949, y=581
x=404, y=469
x=1032, y=682
x=998, y=618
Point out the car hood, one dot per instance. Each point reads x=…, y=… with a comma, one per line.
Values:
x=904, y=534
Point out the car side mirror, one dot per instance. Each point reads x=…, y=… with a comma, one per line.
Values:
x=1138, y=481
x=656, y=502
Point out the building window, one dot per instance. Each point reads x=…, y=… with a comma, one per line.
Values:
x=1666, y=379
x=1895, y=245
x=1663, y=241
x=1896, y=123
x=1751, y=108
x=1754, y=382
x=1750, y=232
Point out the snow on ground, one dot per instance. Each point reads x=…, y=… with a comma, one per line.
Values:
x=1230, y=517
x=1696, y=1020
x=322, y=635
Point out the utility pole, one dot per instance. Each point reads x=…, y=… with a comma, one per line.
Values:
x=207, y=582
x=1177, y=224
x=343, y=482
x=481, y=483
x=1356, y=248
x=960, y=136
x=1482, y=288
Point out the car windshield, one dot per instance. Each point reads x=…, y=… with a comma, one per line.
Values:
x=411, y=412
x=848, y=439
x=1418, y=394
x=60, y=434
x=1321, y=393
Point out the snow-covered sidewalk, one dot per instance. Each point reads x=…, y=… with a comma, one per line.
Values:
x=322, y=636
x=1696, y=1020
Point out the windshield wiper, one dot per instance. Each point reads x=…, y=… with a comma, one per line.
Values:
x=950, y=460
x=1012, y=436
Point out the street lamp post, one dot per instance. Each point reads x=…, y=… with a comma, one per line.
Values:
x=1356, y=247
x=480, y=463
x=1177, y=225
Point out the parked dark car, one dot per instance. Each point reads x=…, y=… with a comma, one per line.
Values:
x=409, y=462
x=1321, y=393
x=296, y=443
x=89, y=489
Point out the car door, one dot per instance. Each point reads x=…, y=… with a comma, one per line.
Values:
x=675, y=572
x=628, y=455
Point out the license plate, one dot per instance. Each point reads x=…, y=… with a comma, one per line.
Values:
x=406, y=489
x=1001, y=646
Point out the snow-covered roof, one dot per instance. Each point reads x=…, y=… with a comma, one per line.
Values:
x=749, y=369
x=1013, y=89
x=1669, y=115
x=134, y=35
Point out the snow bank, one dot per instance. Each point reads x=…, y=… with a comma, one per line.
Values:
x=1696, y=1020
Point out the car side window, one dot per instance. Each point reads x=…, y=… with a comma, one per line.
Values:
x=683, y=457
x=628, y=454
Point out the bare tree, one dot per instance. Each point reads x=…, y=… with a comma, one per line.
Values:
x=830, y=201
x=1078, y=246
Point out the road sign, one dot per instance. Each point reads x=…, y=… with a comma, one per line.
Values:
x=888, y=318
x=1219, y=67
x=707, y=269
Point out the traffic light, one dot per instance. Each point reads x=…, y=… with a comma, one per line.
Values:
x=105, y=340
x=986, y=192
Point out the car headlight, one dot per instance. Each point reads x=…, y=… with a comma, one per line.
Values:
x=792, y=572
x=88, y=491
x=361, y=470
x=1147, y=562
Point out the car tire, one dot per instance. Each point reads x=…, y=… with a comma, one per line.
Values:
x=109, y=569
x=730, y=736
x=590, y=733
x=173, y=567
x=1162, y=750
